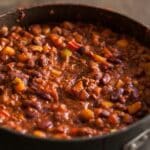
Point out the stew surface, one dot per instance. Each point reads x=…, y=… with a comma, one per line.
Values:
x=68, y=80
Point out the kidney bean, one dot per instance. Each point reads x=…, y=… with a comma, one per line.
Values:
x=105, y=113
x=83, y=131
x=31, y=63
x=127, y=118
x=35, y=104
x=106, y=78
x=4, y=31
x=31, y=113
x=116, y=94
x=2, y=77
x=135, y=93
x=42, y=61
x=114, y=119
x=44, y=124
x=99, y=123
x=36, y=29
x=43, y=95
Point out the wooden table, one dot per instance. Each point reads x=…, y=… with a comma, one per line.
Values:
x=137, y=9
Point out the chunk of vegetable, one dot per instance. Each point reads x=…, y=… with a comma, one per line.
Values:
x=127, y=118
x=39, y=133
x=57, y=40
x=9, y=51
x=87, y=114
x=78, y=87
x=107, y=52
x=114, y=119
x=23, y=57
x=37, y=48
x=73, y=45
x=56, y=72
x=101, y=59
x=66, y=53
x=107, y=104
x=19, y=84
x=119, y=84
x=135, y=107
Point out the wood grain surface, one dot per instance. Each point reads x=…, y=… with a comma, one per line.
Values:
x=136, y=9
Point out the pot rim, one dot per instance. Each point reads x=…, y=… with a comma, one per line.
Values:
x=79, y=139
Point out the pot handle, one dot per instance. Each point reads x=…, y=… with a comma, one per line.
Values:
x=138, y=141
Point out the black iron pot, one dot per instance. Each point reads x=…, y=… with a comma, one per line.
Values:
x=125, y=139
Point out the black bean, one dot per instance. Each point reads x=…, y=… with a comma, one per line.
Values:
x=81, y=50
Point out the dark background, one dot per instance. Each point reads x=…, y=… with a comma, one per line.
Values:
x=137, y=9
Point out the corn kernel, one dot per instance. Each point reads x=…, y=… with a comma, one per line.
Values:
x=66, y=53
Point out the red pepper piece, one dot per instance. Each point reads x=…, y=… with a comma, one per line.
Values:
x=73, y=45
